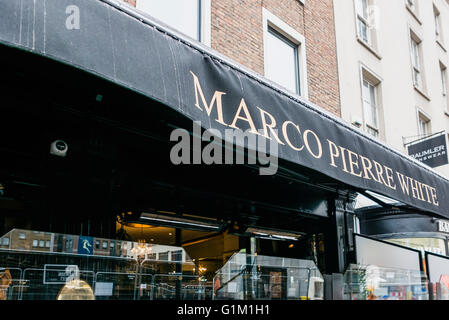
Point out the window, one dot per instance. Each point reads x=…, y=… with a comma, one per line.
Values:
x=35, y=243
x=47, y=244
x=371, y=102
x=282, y=61
x=362, y=21
x=105, y=244
x=152, y=256
x=444, y=81
x=41, y=243
x=5, y=241
x=423, y=125
x=412, y=6
x=97, y=244
x=416, y=58
x=438, y=29
x=284, y=55
x=191, y=17
x=370, y=108
x=176, y=255
x=22, y=236
x=163, y=256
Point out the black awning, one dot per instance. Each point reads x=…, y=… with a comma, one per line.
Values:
x=123, y=46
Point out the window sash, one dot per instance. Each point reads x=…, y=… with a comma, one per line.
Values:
x=364, y=30
x=415, y=54
x=295, y=83
x=169, y=17
x=416, y=77
x=370, y=104
x=362, y=9
x=411, y=4
x=437, y=26
x=423, y=126
x=444, y=81
x=444, y=89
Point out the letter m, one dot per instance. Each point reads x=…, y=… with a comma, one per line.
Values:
x=216, y=99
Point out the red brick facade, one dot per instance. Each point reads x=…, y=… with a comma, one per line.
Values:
x=237, y=32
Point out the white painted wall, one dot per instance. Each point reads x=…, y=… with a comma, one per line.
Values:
x=392, y=64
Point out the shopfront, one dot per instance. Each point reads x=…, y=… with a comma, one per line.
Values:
x=93, y=206
x=406, y=227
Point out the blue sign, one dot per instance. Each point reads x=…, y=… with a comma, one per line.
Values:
x=85, y=245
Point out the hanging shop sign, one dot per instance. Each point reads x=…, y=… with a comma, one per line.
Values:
x=220, y=95
x=431, y=151
x=443, y=226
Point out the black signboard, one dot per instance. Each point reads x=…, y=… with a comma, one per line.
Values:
x=100, y=36
x=432, y=151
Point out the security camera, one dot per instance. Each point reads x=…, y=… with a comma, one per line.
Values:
x=59, y=148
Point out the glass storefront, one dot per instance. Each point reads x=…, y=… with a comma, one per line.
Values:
x=380, y=283
x=434, y=245
x=87, y=268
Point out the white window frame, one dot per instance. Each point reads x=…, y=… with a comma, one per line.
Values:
x=374, y=80
x=364, y=20
x=272, y=21
x=420, y=114
x=372, y=42
x=5, y=241
x=418, y=68
x=437, y=20
x=413, y=9
x=204, y=20
x=444, y=87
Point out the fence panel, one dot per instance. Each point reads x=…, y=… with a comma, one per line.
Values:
x=178, y=287
x=115, y=286
x=45, y=284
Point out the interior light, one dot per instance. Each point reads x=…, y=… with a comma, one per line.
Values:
x=274, y=234
x=163, y=220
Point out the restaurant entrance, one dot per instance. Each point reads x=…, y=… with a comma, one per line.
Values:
x=111, y=203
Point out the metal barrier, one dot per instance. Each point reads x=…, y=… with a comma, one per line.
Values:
x=245, y=284
x=178, y=287
x=46, y=284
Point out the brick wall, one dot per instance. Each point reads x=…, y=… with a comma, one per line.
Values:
x=237, y=32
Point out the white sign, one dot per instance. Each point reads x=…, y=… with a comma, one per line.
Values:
x=443, y=226
x=103, y=289
x=382, y=254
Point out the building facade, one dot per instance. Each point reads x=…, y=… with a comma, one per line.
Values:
x=393, y=59
x=243, y=31
x=393, y=63
x=124, y=165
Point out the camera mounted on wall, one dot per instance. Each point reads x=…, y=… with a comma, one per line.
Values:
x=59, y=148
